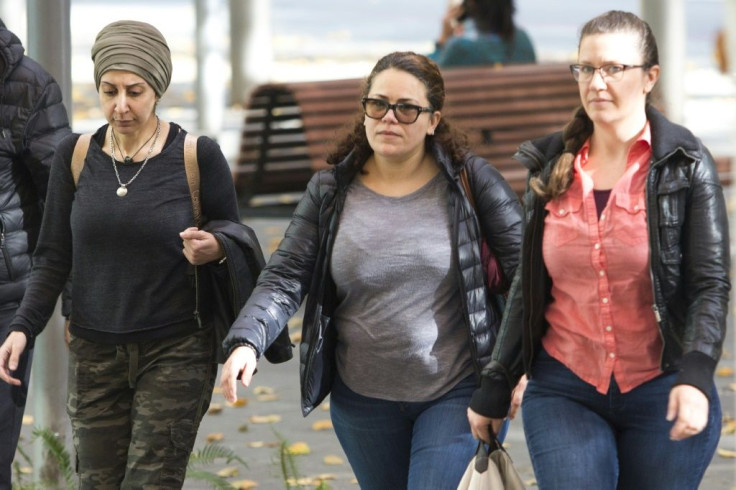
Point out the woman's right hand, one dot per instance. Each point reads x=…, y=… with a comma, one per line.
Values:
x=450, y=25
x=10, y=353
x=481, y=426
x=242, y=361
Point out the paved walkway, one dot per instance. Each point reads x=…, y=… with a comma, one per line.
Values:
x=271, y=414
x=326, y=459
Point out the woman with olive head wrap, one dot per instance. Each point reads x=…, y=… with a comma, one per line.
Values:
x=142, y=364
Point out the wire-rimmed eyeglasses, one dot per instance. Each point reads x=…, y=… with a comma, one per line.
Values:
x=405, y=113
x=611, y=72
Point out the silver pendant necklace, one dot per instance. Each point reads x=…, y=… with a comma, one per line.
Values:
x=123, y=188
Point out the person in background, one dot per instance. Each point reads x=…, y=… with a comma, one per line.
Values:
x=33, y=121
x=482, y=32
x=386, y=248
x=142, y=357
x=618, y=313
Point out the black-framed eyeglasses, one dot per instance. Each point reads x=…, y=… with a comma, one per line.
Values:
x=611, y=72
x=405, y=113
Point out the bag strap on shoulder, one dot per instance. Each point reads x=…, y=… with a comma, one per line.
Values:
x=190, y=164
x=466, y=185
x=79, y=154
x=192, y=169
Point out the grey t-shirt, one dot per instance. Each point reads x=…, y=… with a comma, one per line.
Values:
x=401, y=334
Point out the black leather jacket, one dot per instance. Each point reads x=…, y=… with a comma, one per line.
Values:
x=32, y=122
x=300, y=267
x=690, y=261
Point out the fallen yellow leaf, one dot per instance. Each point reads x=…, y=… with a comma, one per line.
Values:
x=298, y=448
x=26, y=470
x=244, y=484
x=300, y=482
x=240, y=402
x=217, y=390
x=724, y=372
x=243, y=428
x=263, y=390
x=215, y=408
x=264, y=419
x=28, y=420
x=295, y=321
x=726, y=453
x=228, y=472
x=732, y=386
x=332, y=460
x=323, y=478
x=322, y=425
x=325, y=407
x=728, y=426
x=260, y=444
x=295, y=337
x=267, y=398
x=215, y=437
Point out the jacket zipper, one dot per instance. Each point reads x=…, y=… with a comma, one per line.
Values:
x=6, y=254
x=653, y=242
x=196, y=297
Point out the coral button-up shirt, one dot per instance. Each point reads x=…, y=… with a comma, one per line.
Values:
x=601, y=321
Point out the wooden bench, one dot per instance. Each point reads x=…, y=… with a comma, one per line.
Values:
x=291, y=127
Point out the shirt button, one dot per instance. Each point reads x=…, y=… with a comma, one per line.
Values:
x=608, y=328
x=605, y=301
x=636, y=207
x=597, y=246
x=601, y=273
x=561, y=211
x=611, y=355
x=603, y=216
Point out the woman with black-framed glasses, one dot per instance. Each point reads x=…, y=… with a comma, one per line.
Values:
x=619, y=316
x=386, y=247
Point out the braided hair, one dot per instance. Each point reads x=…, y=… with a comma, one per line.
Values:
x=580, y=128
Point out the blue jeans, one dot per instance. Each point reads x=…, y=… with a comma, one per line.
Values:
x=405, y=445
x=578, y=438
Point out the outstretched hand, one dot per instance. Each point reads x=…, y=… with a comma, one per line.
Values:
x=241, y=364
x=10, y=353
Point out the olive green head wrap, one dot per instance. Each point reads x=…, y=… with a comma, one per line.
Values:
x=136, y=47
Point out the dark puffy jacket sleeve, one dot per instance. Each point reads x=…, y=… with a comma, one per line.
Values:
x=499, y=212
x=46, y=126
x=285, y=280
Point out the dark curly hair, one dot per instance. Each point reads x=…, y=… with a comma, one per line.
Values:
x=579, y=129
x=427, y=72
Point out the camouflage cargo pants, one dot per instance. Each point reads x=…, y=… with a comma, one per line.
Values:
x=135, y=409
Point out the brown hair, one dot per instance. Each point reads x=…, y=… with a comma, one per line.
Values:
x=580, y=127
x=427, y=72
x=493, y=16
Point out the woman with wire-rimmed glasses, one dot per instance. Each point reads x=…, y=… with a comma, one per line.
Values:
x=385, y=245
x=619, y=312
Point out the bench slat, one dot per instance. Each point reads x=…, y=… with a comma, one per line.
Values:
x=291, y=127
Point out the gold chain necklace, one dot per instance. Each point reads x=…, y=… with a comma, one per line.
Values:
x=123, y=189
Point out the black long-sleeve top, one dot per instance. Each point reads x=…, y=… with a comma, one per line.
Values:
x=132, y=282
